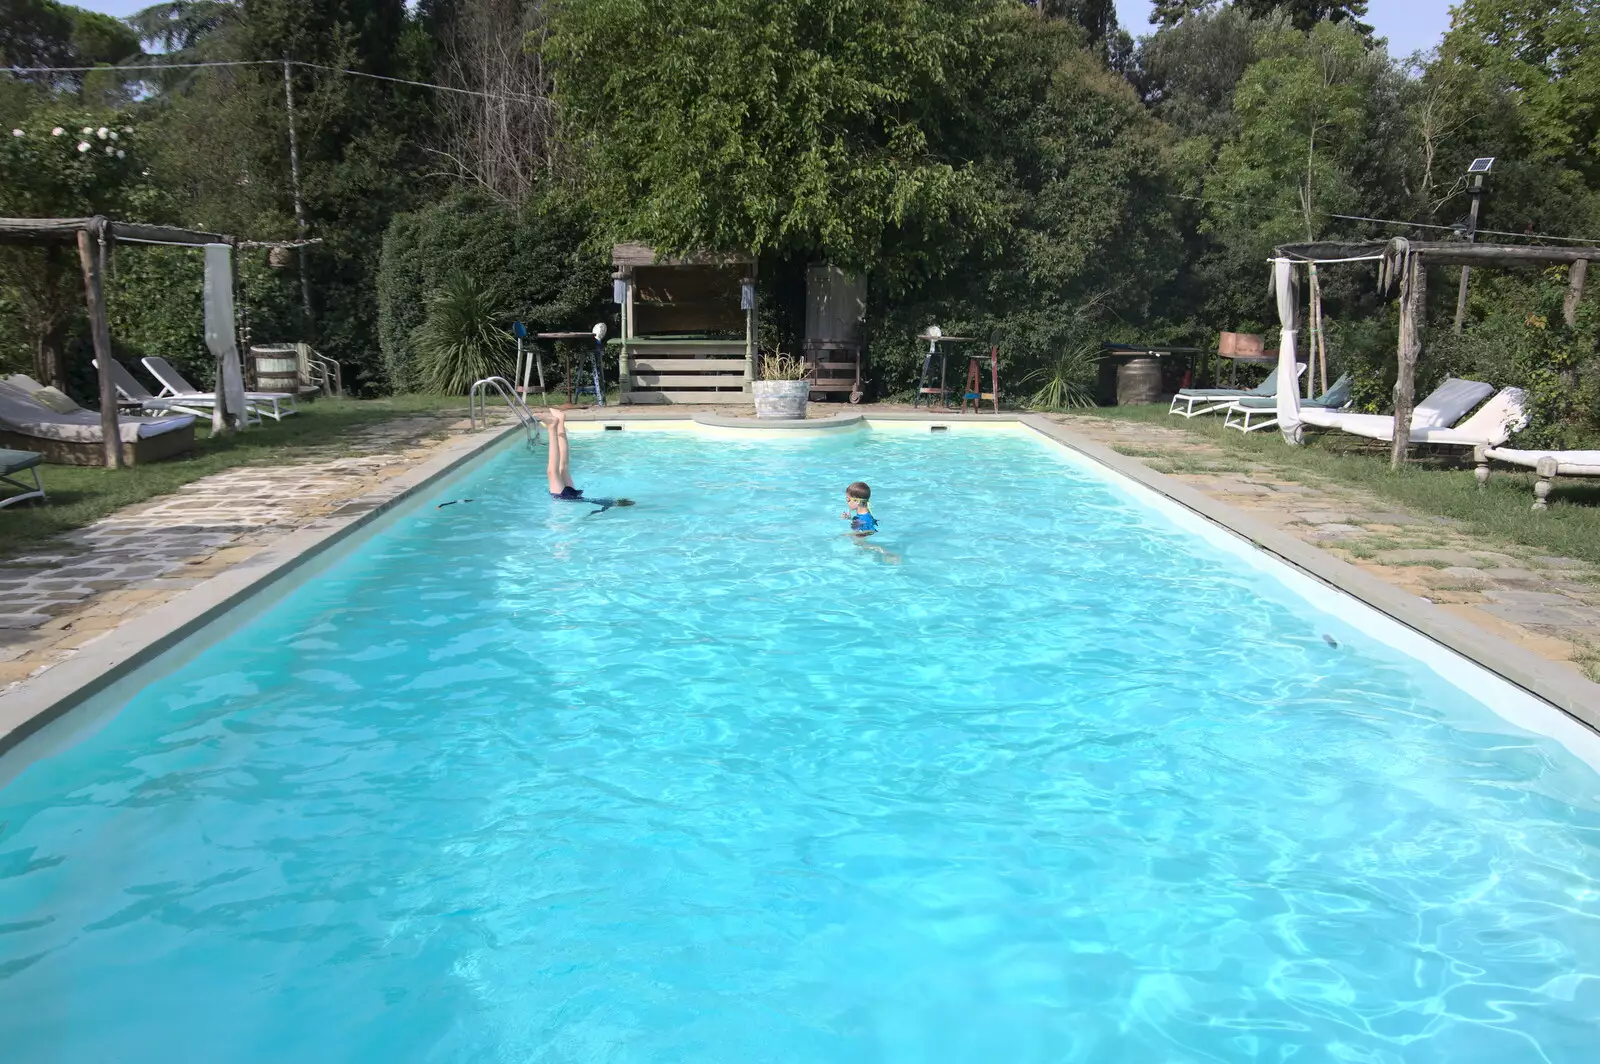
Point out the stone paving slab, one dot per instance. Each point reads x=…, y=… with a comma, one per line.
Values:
x=64, y=594
x=1549, y=605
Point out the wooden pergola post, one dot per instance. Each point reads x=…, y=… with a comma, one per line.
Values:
x=1577, y=273
x=1413, y=294
x=92, y=254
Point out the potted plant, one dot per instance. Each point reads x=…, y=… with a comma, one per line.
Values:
x=784, y=387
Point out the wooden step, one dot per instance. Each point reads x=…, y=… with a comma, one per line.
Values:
x=651, y=364
x=657, y=398
x=686, y=380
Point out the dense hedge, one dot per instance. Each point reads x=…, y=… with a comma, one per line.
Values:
x=536, y=263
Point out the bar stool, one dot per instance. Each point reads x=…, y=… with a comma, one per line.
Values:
x=975, y=393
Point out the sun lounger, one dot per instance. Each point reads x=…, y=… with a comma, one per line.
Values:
x=1214, y=399
x=1547, y=464
x=1260, y=412
x=14, y=462
x=269, y=404
x=1430, y=420
x=76, y=438
x=134, y=396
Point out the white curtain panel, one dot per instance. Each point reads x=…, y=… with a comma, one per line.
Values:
x=1285, y=288
x=220, y=335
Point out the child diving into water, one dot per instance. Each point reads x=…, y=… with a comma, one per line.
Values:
x=558, y=468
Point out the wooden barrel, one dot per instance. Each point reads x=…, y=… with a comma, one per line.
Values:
x=277, y=368
x=1139, y=381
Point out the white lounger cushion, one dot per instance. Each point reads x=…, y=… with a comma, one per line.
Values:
x=1443, y=407
x=20, y=413
x=1570, y=463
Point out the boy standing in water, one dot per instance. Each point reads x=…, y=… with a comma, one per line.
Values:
x=858, y=508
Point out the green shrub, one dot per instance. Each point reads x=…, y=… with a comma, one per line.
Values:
x=1068, y=382
x=461, y=340
x=1522, y=340
x=532, y=264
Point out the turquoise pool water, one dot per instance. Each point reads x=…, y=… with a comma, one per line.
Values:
x=704, y=780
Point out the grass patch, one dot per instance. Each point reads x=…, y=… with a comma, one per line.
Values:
x=80, y=495
x=1432, y=486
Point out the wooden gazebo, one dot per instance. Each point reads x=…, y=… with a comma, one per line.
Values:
x=94, y=238
x=1406, y=261
x=688, y=326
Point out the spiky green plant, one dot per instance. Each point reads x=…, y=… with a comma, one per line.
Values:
x=460, y=341
x=1068, y=382
x=784, y=367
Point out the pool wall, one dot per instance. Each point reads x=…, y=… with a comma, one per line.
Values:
x=1333, y=583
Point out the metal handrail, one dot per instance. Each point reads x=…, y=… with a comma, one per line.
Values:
x=478, y=405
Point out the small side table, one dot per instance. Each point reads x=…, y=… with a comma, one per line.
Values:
x=573, y=388
x=935, y=347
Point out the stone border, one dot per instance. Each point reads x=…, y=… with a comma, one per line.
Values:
x=35, y=702
x=1572, y=694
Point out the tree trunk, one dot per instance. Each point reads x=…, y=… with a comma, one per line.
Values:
x=50, y=336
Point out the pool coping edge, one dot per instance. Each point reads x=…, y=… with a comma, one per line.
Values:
x=1574, y=695
x=38, y=700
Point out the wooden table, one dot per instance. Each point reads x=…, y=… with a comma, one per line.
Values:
x=934, y=347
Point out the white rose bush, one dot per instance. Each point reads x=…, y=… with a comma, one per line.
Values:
x=46, y=172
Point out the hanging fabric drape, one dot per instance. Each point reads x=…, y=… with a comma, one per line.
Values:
x=1288, y=399
x=229, y=410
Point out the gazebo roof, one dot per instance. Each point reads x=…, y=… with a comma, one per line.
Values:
x=627, y=255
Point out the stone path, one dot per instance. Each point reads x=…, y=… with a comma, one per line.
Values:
x=1548, y=605
x=85, y=583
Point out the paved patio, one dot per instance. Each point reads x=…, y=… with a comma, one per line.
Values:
x=1549, y=605
x=74, y=589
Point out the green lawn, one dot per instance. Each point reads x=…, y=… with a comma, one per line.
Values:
x=80, y=494
x=1440, y=486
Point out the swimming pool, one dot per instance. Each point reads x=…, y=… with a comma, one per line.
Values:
x=705, y=780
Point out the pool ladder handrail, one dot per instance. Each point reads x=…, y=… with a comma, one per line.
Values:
x=478, y=405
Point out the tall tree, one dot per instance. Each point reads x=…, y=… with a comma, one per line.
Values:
x=1548, y=53
x=1164, y=13
x=1317, y=123
x=499, y=134
x=1305, y=14
x=177, y=27
x=754, y=125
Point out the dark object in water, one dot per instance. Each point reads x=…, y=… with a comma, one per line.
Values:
x=452, y=502
x=1328, y=639
x=606, y=504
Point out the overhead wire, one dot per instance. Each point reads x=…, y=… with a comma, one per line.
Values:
x=1389, y=221
x=17, y=70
